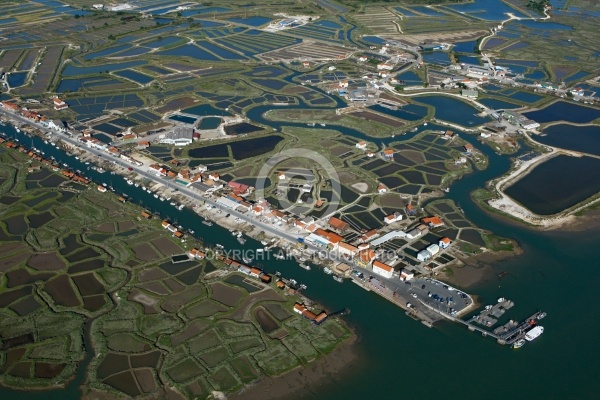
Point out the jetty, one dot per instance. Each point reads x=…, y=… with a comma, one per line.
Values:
x=508, y=333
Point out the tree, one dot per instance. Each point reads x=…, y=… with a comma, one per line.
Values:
x=111, y=37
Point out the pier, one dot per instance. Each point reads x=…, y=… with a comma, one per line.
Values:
x=508, y=333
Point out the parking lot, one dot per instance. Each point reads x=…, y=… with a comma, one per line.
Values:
x=439, y=295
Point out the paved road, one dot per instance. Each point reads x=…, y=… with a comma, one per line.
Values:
x=394, y=284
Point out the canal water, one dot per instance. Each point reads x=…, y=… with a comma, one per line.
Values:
x=398, y=356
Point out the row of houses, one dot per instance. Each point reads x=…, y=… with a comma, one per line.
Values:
x=173, y=229
x=50, y=164
x=433, y=249
x=308, y=314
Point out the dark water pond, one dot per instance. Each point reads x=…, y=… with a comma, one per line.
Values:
x=557, y=184
x=579, y=138
x=565, y=111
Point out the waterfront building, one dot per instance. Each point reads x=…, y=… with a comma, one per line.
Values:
x=423, y=255
x=347, y=249
x=382, y=269
x=390, y=219
x=433, y=249
x=413, y=234
x=406, y=275
x=364, y=257
x=529, y=124
x=59, y=104
x=388, y=154
x=433, y=222
x=470, y=93
x=180, y=136
x=444, y=242
x=338, y=225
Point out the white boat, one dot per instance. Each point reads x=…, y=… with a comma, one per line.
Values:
x=129, y=182
x=77, y=158
x=534, y=333
x=155, y=196
x=241, y=240
x=501, y=299
x=519, y=343
x=541, y=315
x=180, y=207
x=143, y=187
x=488, y=307
x=173, y=203
x=327, y=271
x=305, y=266
x=323, y=125
x=279, y=256
x=161, y=198
x=263, y=242
x=338, y=278
x=246, y=260
x=207, y=223
x=136, y=185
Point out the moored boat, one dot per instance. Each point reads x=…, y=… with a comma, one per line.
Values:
x=534, y=333
x=305, y=266
x=338, y=278
x=541, y=315
x=519, y=343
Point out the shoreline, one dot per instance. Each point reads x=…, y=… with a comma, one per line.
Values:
x=341, y=351
x=306, y=377
x=504, y=204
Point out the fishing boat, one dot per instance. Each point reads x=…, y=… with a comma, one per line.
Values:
x=241, y=240
x=338, y=278
x=207, y=222
x=327, y=271
x=542, y=315
x=501, y=299
x=305, y=266
x=518, y=344
x=534, y=333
